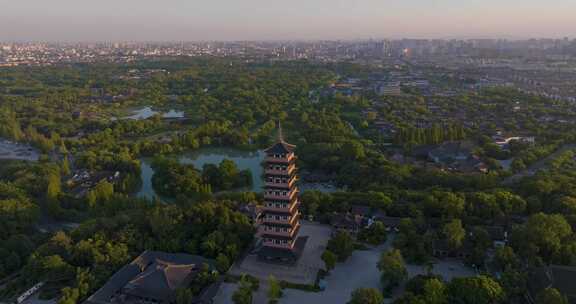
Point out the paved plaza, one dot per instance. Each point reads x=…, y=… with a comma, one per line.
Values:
x=359, y=271
x=304, y=272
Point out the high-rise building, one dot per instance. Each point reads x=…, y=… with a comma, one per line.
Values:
x=280, y=222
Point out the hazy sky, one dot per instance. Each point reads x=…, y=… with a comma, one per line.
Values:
x=83, y=20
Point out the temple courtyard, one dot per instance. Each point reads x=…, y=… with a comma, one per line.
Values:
x=359, y=271
x=306, y=269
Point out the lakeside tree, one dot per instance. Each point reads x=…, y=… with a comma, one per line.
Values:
x=366, y=296
x=184, y=296
x=274, y=290
x=551, y=296
x=424, y=289
x=222, y=263
x=392, y=268
x=65, y=166
x=342, y=245
x=243, y=295
x=475, y=290
x=434, y=291
x=103, y=191
x=375, y=234
x=329, y=259
x=172, y=178
x=542, y=236
x=17, y=211
x=454, y=233
x=53, y=189
x=412, y=242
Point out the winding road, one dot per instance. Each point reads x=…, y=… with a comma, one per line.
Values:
x=537, y=166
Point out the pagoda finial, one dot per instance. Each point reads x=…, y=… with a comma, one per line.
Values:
x=280, y=135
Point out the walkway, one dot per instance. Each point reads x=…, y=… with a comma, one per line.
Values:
x=539, y=165
x=360, y=271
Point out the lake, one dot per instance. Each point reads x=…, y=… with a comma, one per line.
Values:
x=147, y=112
x=251, y=160
x=17, y=151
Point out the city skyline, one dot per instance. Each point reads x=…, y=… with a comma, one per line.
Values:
x=178, y=20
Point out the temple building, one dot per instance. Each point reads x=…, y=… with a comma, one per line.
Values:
x=280, y=220
x=155, y=277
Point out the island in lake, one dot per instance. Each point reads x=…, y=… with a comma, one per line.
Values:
x=244, y=160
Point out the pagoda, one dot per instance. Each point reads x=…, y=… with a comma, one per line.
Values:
x=280, y=220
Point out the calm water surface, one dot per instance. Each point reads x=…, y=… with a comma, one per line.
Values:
x=250, y=160
x=17, y=151
x=147, y=112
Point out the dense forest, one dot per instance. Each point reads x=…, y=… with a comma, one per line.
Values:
x=62, y=112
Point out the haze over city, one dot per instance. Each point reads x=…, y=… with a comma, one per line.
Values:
x=173, y=20
x=287, y=152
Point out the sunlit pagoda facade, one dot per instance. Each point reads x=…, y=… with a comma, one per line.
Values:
x=280, y=221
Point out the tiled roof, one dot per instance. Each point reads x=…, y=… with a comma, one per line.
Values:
x=153, y=272
x=280, y=148
x=160, y=280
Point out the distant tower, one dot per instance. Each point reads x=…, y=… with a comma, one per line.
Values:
x=280, y=217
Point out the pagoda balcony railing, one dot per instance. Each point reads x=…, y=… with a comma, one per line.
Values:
x=290, y=233
x=287, y=171
x=288, y=196
x=277, y=209
x=274, y=233
x=293, y=218
x=282, y=185
x=277, y=233
x=275, y=221
x=288, y=209
x=271, y=159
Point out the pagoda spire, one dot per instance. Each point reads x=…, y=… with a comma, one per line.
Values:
x=280, y=134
